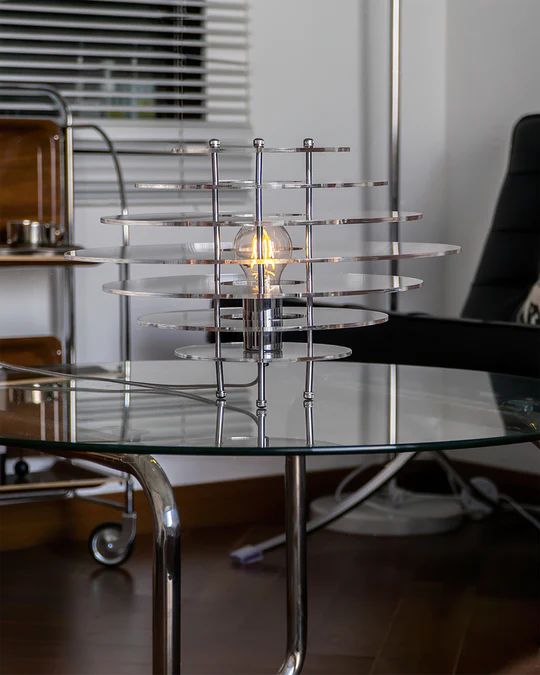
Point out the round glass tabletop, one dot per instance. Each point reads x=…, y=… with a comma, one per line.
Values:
x=162, y=413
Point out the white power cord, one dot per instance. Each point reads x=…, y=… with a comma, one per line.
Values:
x=477, y=503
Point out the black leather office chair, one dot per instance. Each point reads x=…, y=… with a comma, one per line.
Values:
x=510, y=263
x=486, y=338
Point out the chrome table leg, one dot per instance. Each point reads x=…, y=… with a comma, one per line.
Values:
x=166, y=575
x=295, y=496
x=166, y=582
x=251, y=553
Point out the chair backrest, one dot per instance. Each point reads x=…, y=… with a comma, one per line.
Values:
x=510, y=263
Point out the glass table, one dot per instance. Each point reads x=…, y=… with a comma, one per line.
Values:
x=118, y=415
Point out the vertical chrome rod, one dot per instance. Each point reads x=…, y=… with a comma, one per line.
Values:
x=308, y=388
x=261, y=384
x=219, y=422
x=393, y=389
x=127, y=398
x=69, y=337
x=295, y=509
x=68, y=318
x=308, y=407
x=395, y=131
x=261, y=427
x=395, y=179
x=258, y=144
x=214, y=150
x=125, y=303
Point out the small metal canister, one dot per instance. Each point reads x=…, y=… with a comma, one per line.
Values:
x=30, y=233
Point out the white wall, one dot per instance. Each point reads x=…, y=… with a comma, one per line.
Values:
x=470, y=69
x=493, y=80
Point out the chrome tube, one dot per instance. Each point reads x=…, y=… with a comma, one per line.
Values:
x=254, y=551
x=295, y=514
x=308, y=410
x=261, y=427
x=308, y=388
x=220, y=414
x=393, y=391
x=166, y=583
x=271, y=311
x=258, y=144
x=68, y=320
x=166, y=574
x=69, y=336
x=215, y=144
x=261, y=385
x=395, y=130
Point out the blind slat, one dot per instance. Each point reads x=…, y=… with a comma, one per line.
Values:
x=169, y=95
x=118, y=39
x=111, y=81
x=121, y=67
x=129, y=12
x=131, y=27
x=203, y=4
x=61, y=50
x=130, y=108
x=127, y=59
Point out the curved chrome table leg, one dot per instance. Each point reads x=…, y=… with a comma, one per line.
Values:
x=166, y=575
x=254, y=552
x=295, y=516
x=166, y=582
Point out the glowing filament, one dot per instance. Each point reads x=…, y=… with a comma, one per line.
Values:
x=267, y=256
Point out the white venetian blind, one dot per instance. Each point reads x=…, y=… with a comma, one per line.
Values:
x=129, y=59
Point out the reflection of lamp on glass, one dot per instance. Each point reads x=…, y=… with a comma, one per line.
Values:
x=263, y=312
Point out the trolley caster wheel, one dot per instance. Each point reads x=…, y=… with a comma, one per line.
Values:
x=22, y=470
x=103, y=545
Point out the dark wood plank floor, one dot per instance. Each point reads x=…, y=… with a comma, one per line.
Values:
x=466, y=602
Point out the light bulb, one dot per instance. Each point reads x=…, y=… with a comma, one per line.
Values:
x=262, y=315
x=276, y=244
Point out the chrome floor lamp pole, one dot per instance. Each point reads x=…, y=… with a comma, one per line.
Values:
x=395, y=130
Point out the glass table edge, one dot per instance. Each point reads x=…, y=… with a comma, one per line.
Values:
x=81, y=447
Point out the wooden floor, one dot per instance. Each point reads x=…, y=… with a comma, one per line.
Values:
x=467, y=602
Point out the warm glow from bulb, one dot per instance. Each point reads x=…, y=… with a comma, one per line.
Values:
x=268, y=255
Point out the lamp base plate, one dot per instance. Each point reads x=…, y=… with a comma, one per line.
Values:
x=417, y=514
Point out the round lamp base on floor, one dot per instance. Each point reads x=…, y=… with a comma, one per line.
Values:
x=417, y=514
